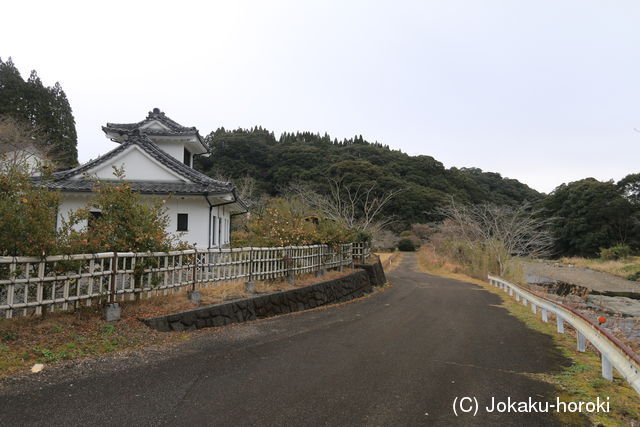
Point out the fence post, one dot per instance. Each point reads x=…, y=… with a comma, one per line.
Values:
x=112, y=310
x=320, y=271
x=289, y=264
x=250, y=286
x=40, y=288
x=194, y=295
x=114, y=270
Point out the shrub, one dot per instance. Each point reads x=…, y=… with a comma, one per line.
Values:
x=407, y=245
x=27, y=212
x=125, y=222
x=615, y=252
x=283, y=223
x=634, y=276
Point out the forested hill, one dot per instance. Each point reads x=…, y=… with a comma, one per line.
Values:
x=45, y=110
x=312, y=158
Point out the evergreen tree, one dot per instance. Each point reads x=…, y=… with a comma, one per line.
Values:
x=45, y=109
x=311, y=157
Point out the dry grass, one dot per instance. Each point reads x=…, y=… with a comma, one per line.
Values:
x=59, y=336
x=622, y=268
x=390, y=260
x=581, y=381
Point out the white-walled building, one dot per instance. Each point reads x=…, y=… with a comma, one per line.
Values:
x=157, y=157
x=29, y=156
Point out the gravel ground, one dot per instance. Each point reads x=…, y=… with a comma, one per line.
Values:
x=620, y=312
x=594, y=280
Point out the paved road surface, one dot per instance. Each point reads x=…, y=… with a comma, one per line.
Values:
x=398, y=357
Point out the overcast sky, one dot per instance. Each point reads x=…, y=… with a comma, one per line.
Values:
x=542, y=91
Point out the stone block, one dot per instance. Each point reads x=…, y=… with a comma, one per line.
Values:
x=177, y=326
x=194, y=297
x=112, y=312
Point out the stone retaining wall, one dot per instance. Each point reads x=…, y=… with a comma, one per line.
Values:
x=375, y=272
x=341, y=289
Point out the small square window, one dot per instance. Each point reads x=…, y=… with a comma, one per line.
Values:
x=183, y=222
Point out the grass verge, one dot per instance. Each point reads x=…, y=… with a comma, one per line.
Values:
x=581, y=381
x=390, y=260
x=59, y=336
x=627, y=268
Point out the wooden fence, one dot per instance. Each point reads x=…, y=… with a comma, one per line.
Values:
x=64, y=282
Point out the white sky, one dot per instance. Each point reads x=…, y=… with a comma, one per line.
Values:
x=542, y=91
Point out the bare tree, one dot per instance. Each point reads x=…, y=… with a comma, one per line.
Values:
x=19, y=147
x=504, y=231
x=245, y=188
x=357, y=207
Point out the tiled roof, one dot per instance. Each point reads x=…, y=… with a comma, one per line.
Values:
x=200, y=183
x=158, y=115
x=146, y=187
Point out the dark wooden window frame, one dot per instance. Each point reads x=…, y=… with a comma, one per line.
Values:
x=183, y=222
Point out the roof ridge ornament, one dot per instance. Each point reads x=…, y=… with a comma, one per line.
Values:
x=155, y=113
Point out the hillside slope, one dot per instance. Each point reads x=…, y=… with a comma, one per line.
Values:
x=312, y=158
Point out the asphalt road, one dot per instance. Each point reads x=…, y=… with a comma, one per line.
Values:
x=398, y=357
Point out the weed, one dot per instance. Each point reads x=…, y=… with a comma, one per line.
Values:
x=8, y=335
x=108, y=329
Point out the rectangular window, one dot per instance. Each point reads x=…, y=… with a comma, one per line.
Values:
x=187, y=157
x=183, y=222
x=213, y=230
x=93, y=216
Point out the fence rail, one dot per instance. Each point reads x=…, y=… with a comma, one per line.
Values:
x=614, y=354
x=63, y=282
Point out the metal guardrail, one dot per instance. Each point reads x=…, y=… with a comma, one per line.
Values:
x=614, y=353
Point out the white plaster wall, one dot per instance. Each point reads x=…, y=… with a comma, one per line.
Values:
x=172, y=148
x=221, y=215
x=198, y=225
x=137, y=166
x=196, y=207
x=70, y=202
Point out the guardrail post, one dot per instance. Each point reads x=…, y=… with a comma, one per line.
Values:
x=582, y=345
x=524, y=300
x=517, y=296
x=560, y=324
x=545, y=315
x=534, y=308
x=511, y=291
x=607, y=368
